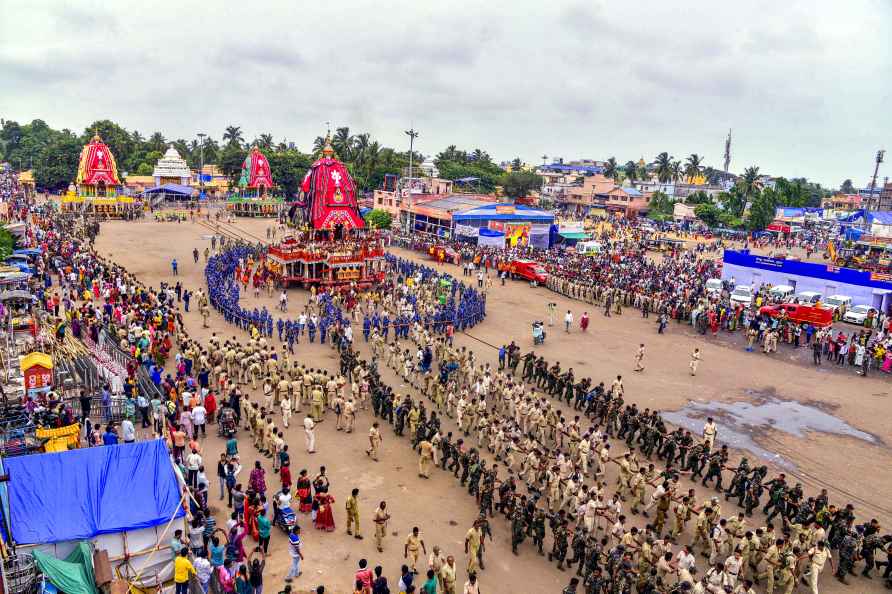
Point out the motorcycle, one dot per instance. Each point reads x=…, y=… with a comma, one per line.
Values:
x=538, y=333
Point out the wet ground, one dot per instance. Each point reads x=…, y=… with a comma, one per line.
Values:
x=749, y=424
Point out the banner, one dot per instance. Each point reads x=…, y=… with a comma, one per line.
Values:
x=467, y=230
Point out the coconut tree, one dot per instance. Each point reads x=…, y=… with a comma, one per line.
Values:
x=749, y=182
x=675, y=171
x=631, y=170
x=693, y=167
x=610, y=169
x=156, y=142
x=664, y=167
x=265, y=142
x=233, y=135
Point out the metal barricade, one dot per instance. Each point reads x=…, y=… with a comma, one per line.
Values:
x=22, y=574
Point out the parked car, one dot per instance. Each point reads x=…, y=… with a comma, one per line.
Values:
x=713, y=285
x=742, y=294
x=858, y=314
x=837, y=303
x=806, y=297
x=780, y=293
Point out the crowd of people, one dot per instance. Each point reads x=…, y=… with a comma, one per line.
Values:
x=569, y=485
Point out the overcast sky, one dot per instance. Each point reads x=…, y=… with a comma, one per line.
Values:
x=806, y=86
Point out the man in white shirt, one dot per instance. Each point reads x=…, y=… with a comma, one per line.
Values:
x=310, y=431
x=710, y=430
x=128, y=431
x=199, y=419
x=202, y=569
x=193, y=463
x=568, y=321
x=685, y=562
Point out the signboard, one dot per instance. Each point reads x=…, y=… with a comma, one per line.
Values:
x=517, y=233
x=571, y=227
x=881, y=276
x=505, y=209
x=466, y=230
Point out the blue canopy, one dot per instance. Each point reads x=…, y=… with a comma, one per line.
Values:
x=178, y=189
x=28, y=252
x=80, y=494
x=491, y=232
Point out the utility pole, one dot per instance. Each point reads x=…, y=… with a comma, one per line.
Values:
x=873, y=181
x=412, y=134
x=201, y=137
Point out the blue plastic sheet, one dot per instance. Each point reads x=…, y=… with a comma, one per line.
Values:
x=80, y=494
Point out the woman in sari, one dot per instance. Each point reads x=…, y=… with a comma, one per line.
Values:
x=303, y=492
x=251, y=507
x=324, y=515
x=257, y=480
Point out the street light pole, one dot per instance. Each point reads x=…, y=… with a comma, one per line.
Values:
x=412, y=134
x=201, y=137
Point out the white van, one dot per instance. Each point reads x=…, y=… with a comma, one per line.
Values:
x=780, y=293
x=742, y=294
x=713, y=285
x=807, y=297
x=837, y=303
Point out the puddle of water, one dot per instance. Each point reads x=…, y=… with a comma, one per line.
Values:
x=741, y=422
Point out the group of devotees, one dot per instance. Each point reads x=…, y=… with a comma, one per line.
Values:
x=567, y=462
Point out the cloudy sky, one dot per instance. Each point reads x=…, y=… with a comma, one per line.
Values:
x=805, y=85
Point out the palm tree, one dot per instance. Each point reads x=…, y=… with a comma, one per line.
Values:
x=750, y=183
x=610, y=169
x=360, y=146
x=631, y=170
x=265, y=142
x=342, y=142
x=675, y=170
x=157, y=142
x=137, y=137
x=516, y=164
x=233, y=135
x=318, y=145
x=693, y=167
x=664, y=167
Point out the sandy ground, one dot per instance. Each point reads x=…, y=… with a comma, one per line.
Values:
x=848, y=466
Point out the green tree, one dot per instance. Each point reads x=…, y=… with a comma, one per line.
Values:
x=518, y=184
x=264, y=142
x=233, y=135
x=631, y=170
x=56, y=165
x=708, y=213
x=660, y=207
x=378, y=219
x=516, y=164
x=664, y=167
x=610, y=168
x=698, y=197
x=693, y=166
x=750, y=183
x=762, y=209
x=231, y=159
x=156, y=142
x=847, y=187
x=8, y=243
x=144, y=169
x=288, y=168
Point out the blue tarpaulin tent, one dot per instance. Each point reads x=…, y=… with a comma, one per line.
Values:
x=170, y=190
x=80, y=494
